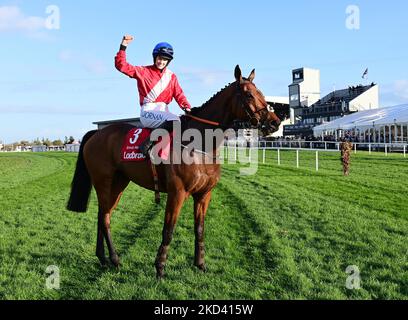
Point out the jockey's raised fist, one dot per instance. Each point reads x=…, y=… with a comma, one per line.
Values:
x=127, y=39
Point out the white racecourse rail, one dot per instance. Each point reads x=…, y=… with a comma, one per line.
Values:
x=317, y=146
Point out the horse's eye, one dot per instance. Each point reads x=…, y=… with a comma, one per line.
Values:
x=249, y=95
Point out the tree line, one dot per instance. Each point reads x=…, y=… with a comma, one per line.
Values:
x=42, y=142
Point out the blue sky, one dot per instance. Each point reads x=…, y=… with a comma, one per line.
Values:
x=55, y=83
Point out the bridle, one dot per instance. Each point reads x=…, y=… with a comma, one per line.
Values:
x=248, y=110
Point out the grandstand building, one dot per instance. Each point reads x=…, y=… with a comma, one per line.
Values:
x=308, y=110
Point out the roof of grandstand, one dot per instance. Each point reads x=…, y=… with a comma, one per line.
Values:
x=368, y=118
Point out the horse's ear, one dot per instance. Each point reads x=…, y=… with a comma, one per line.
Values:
x=252, y=75
x=238, y=74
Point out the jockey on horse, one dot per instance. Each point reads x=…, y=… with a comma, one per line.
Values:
x=157, y=87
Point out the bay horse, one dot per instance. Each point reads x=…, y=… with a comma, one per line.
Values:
x=99, y=164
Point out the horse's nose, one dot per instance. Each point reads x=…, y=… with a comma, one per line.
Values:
x=254, y=122
x=274, y=125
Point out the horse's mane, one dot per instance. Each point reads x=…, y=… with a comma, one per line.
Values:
x=195, y=110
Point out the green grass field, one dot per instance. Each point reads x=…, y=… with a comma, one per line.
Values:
x=284, y=233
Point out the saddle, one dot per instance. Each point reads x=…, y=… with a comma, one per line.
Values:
x=131, y=152
x=131, y=146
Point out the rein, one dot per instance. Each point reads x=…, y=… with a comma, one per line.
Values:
x=213, y=123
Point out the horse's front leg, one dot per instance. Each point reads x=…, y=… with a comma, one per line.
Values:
x=174, y=203
x=201, y=202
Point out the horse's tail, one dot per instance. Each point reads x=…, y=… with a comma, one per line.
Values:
x=81, y=183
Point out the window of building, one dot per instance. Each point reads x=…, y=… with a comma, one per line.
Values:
x=294, y=97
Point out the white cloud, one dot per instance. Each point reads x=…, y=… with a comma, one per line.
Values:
x=66, y=55
x=206, y=77
x=90, y=64
x=95, y=66
x=401, y=89
x=394, y=93
x=12, y=19
x=53, y=110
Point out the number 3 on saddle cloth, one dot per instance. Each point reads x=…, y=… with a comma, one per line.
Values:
x=135, y=137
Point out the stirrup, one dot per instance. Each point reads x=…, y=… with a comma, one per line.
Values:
x=146, y=146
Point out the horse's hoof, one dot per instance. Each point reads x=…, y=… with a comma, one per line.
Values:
x=103, y=261
x=115, y=260
x=160, y=272
x=201, y=267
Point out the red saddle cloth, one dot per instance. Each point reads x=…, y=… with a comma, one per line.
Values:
x=133, y=140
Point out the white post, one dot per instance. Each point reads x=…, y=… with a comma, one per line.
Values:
x=369, y=148
x=407, y=132
x=317, y=160
x=250, y=154
x=297, y=158
x=389, y=134
x=355, y=148
x=279, y=162
x=263, y=156
x=386, y=151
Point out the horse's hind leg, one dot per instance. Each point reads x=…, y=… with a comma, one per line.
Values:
x=201, y=202
x=100, y=248
x=109, y=192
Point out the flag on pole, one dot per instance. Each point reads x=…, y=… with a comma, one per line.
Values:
x=365, y=73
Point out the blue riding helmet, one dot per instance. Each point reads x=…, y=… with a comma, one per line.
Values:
x=163, y=49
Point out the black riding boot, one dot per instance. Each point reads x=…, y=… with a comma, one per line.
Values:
x=148, y=144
